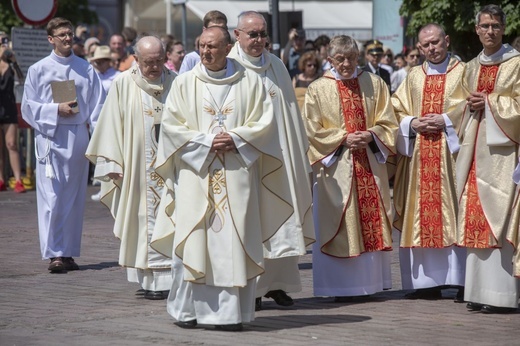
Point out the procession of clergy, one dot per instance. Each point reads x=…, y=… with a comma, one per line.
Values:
x=218, y=183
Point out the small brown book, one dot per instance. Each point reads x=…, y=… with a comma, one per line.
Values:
x=64, y=91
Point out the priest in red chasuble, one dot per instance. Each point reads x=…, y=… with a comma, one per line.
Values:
x=351, y=128
x=429, y=106
x=490, y=134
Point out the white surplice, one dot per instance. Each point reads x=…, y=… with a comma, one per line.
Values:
x=60, y=144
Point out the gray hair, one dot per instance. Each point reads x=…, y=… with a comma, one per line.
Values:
x=492, y=10
x=242, y=17
x=342, y=44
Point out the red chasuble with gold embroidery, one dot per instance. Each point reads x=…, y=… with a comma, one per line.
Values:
x=477, y=231
x=430, y=166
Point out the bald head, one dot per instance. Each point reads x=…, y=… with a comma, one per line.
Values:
x=251, y=33
x=150, y=56
x=433, y=43
x=432, y=27
x=148, y=43
x=214, y=46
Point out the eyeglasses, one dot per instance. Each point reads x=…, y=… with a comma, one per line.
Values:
x=494, y=27
x=414, y=55
x=312, y=65
x=255, y=34
x=64, y=35
x=341, y=59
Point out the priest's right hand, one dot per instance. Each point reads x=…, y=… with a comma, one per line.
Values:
x=65, y=108
x=115, y=176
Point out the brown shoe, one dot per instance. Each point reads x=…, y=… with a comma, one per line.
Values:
x=56, y=265
x=70, y=264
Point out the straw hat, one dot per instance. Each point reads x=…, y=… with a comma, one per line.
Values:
x=102, y=52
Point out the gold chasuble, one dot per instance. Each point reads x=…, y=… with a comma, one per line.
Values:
x=424, y=190
x=489, y=152
x=352, y=202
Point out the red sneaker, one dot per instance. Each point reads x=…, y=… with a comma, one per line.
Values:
x=2, y=186
x=18, y=187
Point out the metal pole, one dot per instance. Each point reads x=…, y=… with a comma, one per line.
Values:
x=274, y=10
x=184, y=24
x=168, y=16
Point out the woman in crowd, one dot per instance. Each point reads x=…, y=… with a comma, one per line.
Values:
x=310, y=64
x=9, y=112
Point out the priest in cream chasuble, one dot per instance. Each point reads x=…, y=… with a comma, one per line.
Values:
x=219, y=206
x=124, y=149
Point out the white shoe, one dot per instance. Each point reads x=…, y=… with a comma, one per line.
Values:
x=96, y=197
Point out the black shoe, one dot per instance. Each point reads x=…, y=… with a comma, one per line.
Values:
x=280, y=297
x=229, y=327
x=459, y=298
x=433, y=293
x=69, y=263
x=343, y=299
x=258, y=304
x=186, y=324
x=474, y=306
x=489, y=309
x=156, y=295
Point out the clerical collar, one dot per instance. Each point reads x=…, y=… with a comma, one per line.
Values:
x=62, y=59
x=337, y=76
x=505, y=53
x=255, y=60
x=224, y=73
x=440, y=68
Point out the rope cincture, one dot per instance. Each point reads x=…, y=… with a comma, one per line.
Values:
x=49, y=171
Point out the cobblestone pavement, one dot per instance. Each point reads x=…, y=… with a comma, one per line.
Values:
x=97, y=306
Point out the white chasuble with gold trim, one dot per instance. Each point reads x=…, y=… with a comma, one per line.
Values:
x=218, y=107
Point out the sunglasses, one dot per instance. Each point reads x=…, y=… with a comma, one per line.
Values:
x=255, y=34
x=312, y=65
x=414, y=55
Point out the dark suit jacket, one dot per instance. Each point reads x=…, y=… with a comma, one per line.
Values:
x=381, y=73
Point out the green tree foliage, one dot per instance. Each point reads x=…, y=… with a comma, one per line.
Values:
x=458, y=19
x=76, y=11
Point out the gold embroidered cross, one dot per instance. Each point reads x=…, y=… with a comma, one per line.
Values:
x=431, y=102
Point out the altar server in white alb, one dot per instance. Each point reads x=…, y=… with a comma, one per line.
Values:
x=219, y=154
x=61, y=138
x=281, y=267
x=124, y=149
